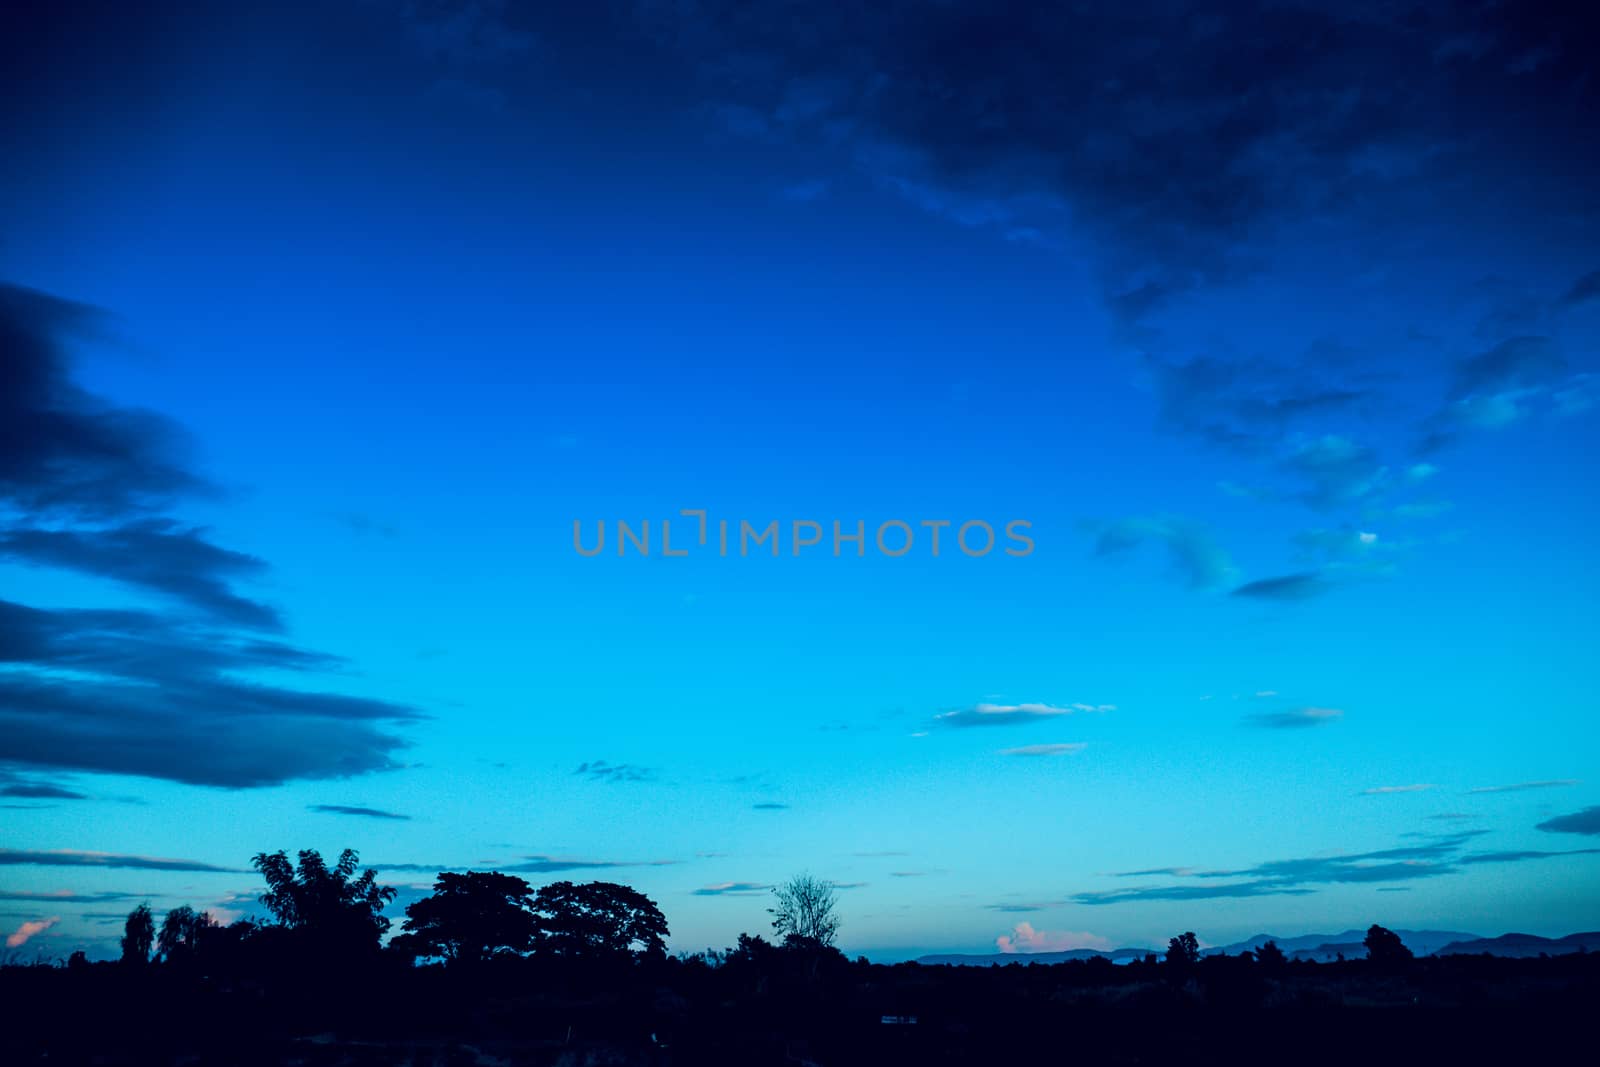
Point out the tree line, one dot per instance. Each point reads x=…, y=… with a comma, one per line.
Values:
x=336, y=912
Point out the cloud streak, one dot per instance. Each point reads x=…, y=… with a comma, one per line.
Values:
x=347, y=809
x=29, y=930
x=1013, y=714
x=1586, y=821
x=1385, y=790
x=71, y=857
x=1433, y=858
x=1298, y=719
x=1517, y=787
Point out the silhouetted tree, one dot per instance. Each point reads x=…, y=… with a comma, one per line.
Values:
x=330, y=908
x=181, y=933
x=598, y=919
x=138, y=935
x=471, y=917
x=1183, y=951
x=805, y=909
x=1270, y=956
x=77, y=961
x=1384, y=947
x=753, y=950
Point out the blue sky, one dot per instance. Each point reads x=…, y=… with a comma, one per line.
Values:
x=1283, y=343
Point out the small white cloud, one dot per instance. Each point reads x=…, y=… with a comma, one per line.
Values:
x=1009, y=714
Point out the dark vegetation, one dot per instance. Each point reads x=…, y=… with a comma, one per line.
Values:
x=489, y=970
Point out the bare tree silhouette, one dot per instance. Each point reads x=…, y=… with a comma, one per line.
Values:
x=805, y=908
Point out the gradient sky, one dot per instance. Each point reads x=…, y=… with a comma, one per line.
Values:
x=1278, y=323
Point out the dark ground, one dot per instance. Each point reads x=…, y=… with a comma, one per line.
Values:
x=787, y=1011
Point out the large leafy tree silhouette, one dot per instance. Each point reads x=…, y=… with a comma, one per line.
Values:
x=331, y=909
x=598, y=919
x=471, y=917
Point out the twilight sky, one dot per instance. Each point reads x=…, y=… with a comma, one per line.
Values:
x=1279, y=323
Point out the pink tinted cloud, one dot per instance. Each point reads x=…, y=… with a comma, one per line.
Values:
x=1024, y=938
x=29, y=930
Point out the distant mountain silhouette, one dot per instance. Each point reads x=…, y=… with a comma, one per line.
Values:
x=1325, y=948
x=1317, y=948
x=1523, y=945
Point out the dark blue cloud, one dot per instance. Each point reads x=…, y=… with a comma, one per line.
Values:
x=69, y=857
x=1434, y=858
x=1586, y=821
x=154, y=554
x=347, y=809
x=1299, y=586
x=126, y=691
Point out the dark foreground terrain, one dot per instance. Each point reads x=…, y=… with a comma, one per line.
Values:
x=798, y=1008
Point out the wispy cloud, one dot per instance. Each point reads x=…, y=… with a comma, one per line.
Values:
x=733, y=889
x=1193, y=554
x=1060, y=749
x=1383, y=790
x=770, y=805
x=29, y=930
x=25, y=788
x=1432, y=858
x=1517, y=787
x=347, y=809
x=1297, y=719
x=550, y=864
x=601, y=771
x=1299, y=586
x=67, y=896
x=71, y=857
x=1013, y=714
